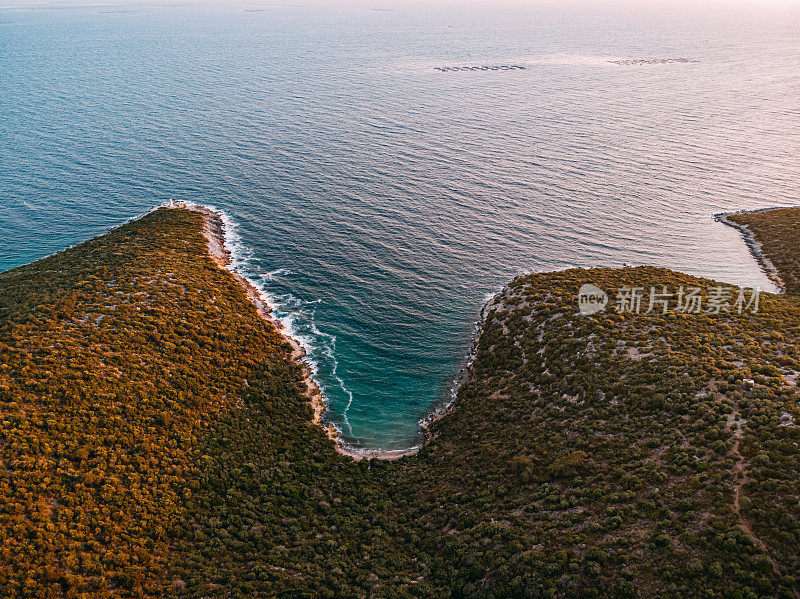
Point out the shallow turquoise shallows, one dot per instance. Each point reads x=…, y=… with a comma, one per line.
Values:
x=378, y=200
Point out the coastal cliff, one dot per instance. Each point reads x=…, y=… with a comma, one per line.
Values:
x=157, y=439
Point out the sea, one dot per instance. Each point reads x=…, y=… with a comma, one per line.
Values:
x=385, y=168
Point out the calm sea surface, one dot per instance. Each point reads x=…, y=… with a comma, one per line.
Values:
x=378, y=201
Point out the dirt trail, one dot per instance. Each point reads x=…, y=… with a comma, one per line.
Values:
x=734, y=426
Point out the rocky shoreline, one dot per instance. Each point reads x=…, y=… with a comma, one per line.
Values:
x=464, y=374
x=753, y=244
x=214, y=232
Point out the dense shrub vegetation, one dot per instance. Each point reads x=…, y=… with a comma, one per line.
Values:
x=115, y=357
x=155, y=441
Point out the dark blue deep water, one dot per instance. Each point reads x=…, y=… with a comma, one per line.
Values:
x=378, y=201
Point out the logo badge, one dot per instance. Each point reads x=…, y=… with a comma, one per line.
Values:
x=591, y=299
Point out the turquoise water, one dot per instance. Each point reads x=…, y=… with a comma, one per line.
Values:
x=376, y=200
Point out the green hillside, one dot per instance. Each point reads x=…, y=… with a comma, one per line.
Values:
x=155, y=442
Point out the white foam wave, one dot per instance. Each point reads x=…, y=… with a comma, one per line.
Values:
x=288, y=310
x=490, y=295
x=300, y=324
x=326, y=345
x=280, y=305
x=279, y=272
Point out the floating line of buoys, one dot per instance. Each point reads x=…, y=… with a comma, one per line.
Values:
x=503, y=67
x=651, y=61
